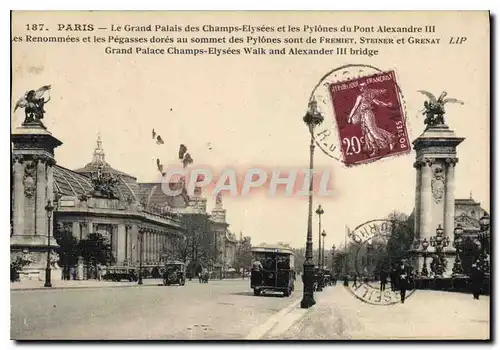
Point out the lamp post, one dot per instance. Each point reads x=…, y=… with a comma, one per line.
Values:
x=221, y=252
x=320, y=212
x=484, y=234
x=312, y=119
x=457, y=243
x=369, y=251
x=425, y=245
x=483, y=241
x=323, y=234
x=333, y=256
x=49, y=208
x=141, y=242
x=439, y=242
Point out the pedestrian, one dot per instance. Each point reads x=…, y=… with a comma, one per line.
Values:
x=346, y=280
x=403, y=279
x=383, y=280
x=99, y=272
x=394, y=279
x=477, y=278
x=355, y=280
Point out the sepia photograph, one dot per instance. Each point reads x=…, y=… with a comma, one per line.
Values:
x=250, y=175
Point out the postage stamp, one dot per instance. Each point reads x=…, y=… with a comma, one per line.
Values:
x=377, y=263
x=364, y=113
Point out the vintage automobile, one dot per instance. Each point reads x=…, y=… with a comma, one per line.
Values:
x=118, y=273
x=273, y=270
x=174, y=273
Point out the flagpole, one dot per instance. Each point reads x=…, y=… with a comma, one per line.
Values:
x=345, y=250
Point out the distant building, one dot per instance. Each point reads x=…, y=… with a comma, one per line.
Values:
x=467, y=213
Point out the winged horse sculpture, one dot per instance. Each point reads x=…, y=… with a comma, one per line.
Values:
x=434, y=107
x=33, y=102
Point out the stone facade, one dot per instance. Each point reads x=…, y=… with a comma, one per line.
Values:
x=436, y=158
x=32, y=189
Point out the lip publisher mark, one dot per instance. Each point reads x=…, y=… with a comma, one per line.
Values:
x=371, y=242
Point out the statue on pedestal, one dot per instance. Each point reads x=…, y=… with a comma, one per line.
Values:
x=33, y=102
x=434, y=108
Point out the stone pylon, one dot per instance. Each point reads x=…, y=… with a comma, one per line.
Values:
x=32, y=187
x=436, y=159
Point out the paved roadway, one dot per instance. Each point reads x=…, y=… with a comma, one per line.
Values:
x=218, y=310
x=228, y=310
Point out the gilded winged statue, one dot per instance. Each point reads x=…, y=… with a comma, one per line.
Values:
x=434, y=107
x=33, y=102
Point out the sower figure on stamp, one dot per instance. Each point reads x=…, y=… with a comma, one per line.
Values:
x=362, y=113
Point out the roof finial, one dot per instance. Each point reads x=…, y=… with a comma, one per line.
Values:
x=218, y=200
x=99, y=141
x=470, y=195
x=98, y=151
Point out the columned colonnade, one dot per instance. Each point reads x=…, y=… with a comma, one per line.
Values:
x=155, y=243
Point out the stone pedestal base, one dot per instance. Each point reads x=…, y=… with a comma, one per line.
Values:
x=417, y=261
x=24, y=248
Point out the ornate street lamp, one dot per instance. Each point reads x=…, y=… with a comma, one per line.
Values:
x=484, y=222
x=221, y=253
x=312, y=119
x=333, y=256
x=141, y=249
x=439, y=242
x=425, y=245
x=458, y=243
x=320, y=212
x=369, y=252
x=323, y=234
x=49, y=208
x=484, y=234
x=483, y=242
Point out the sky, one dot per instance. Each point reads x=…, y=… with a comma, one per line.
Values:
x=246, y=111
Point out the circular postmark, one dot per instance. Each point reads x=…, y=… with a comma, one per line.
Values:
x=378, y=262
x=364, y=115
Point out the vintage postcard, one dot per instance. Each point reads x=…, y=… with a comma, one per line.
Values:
x=250, y=175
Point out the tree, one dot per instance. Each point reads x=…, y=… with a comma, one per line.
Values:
x=178, y=250
x=244, y=254
x=95, y=249
x=68, y=249
x=16, y=266
x=300, y=257
x=199, y=238
x=402, y=236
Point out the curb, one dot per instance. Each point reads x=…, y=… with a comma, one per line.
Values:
x=265, y=328
x=99, y=287
x=82, y=287
x=294, y=315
